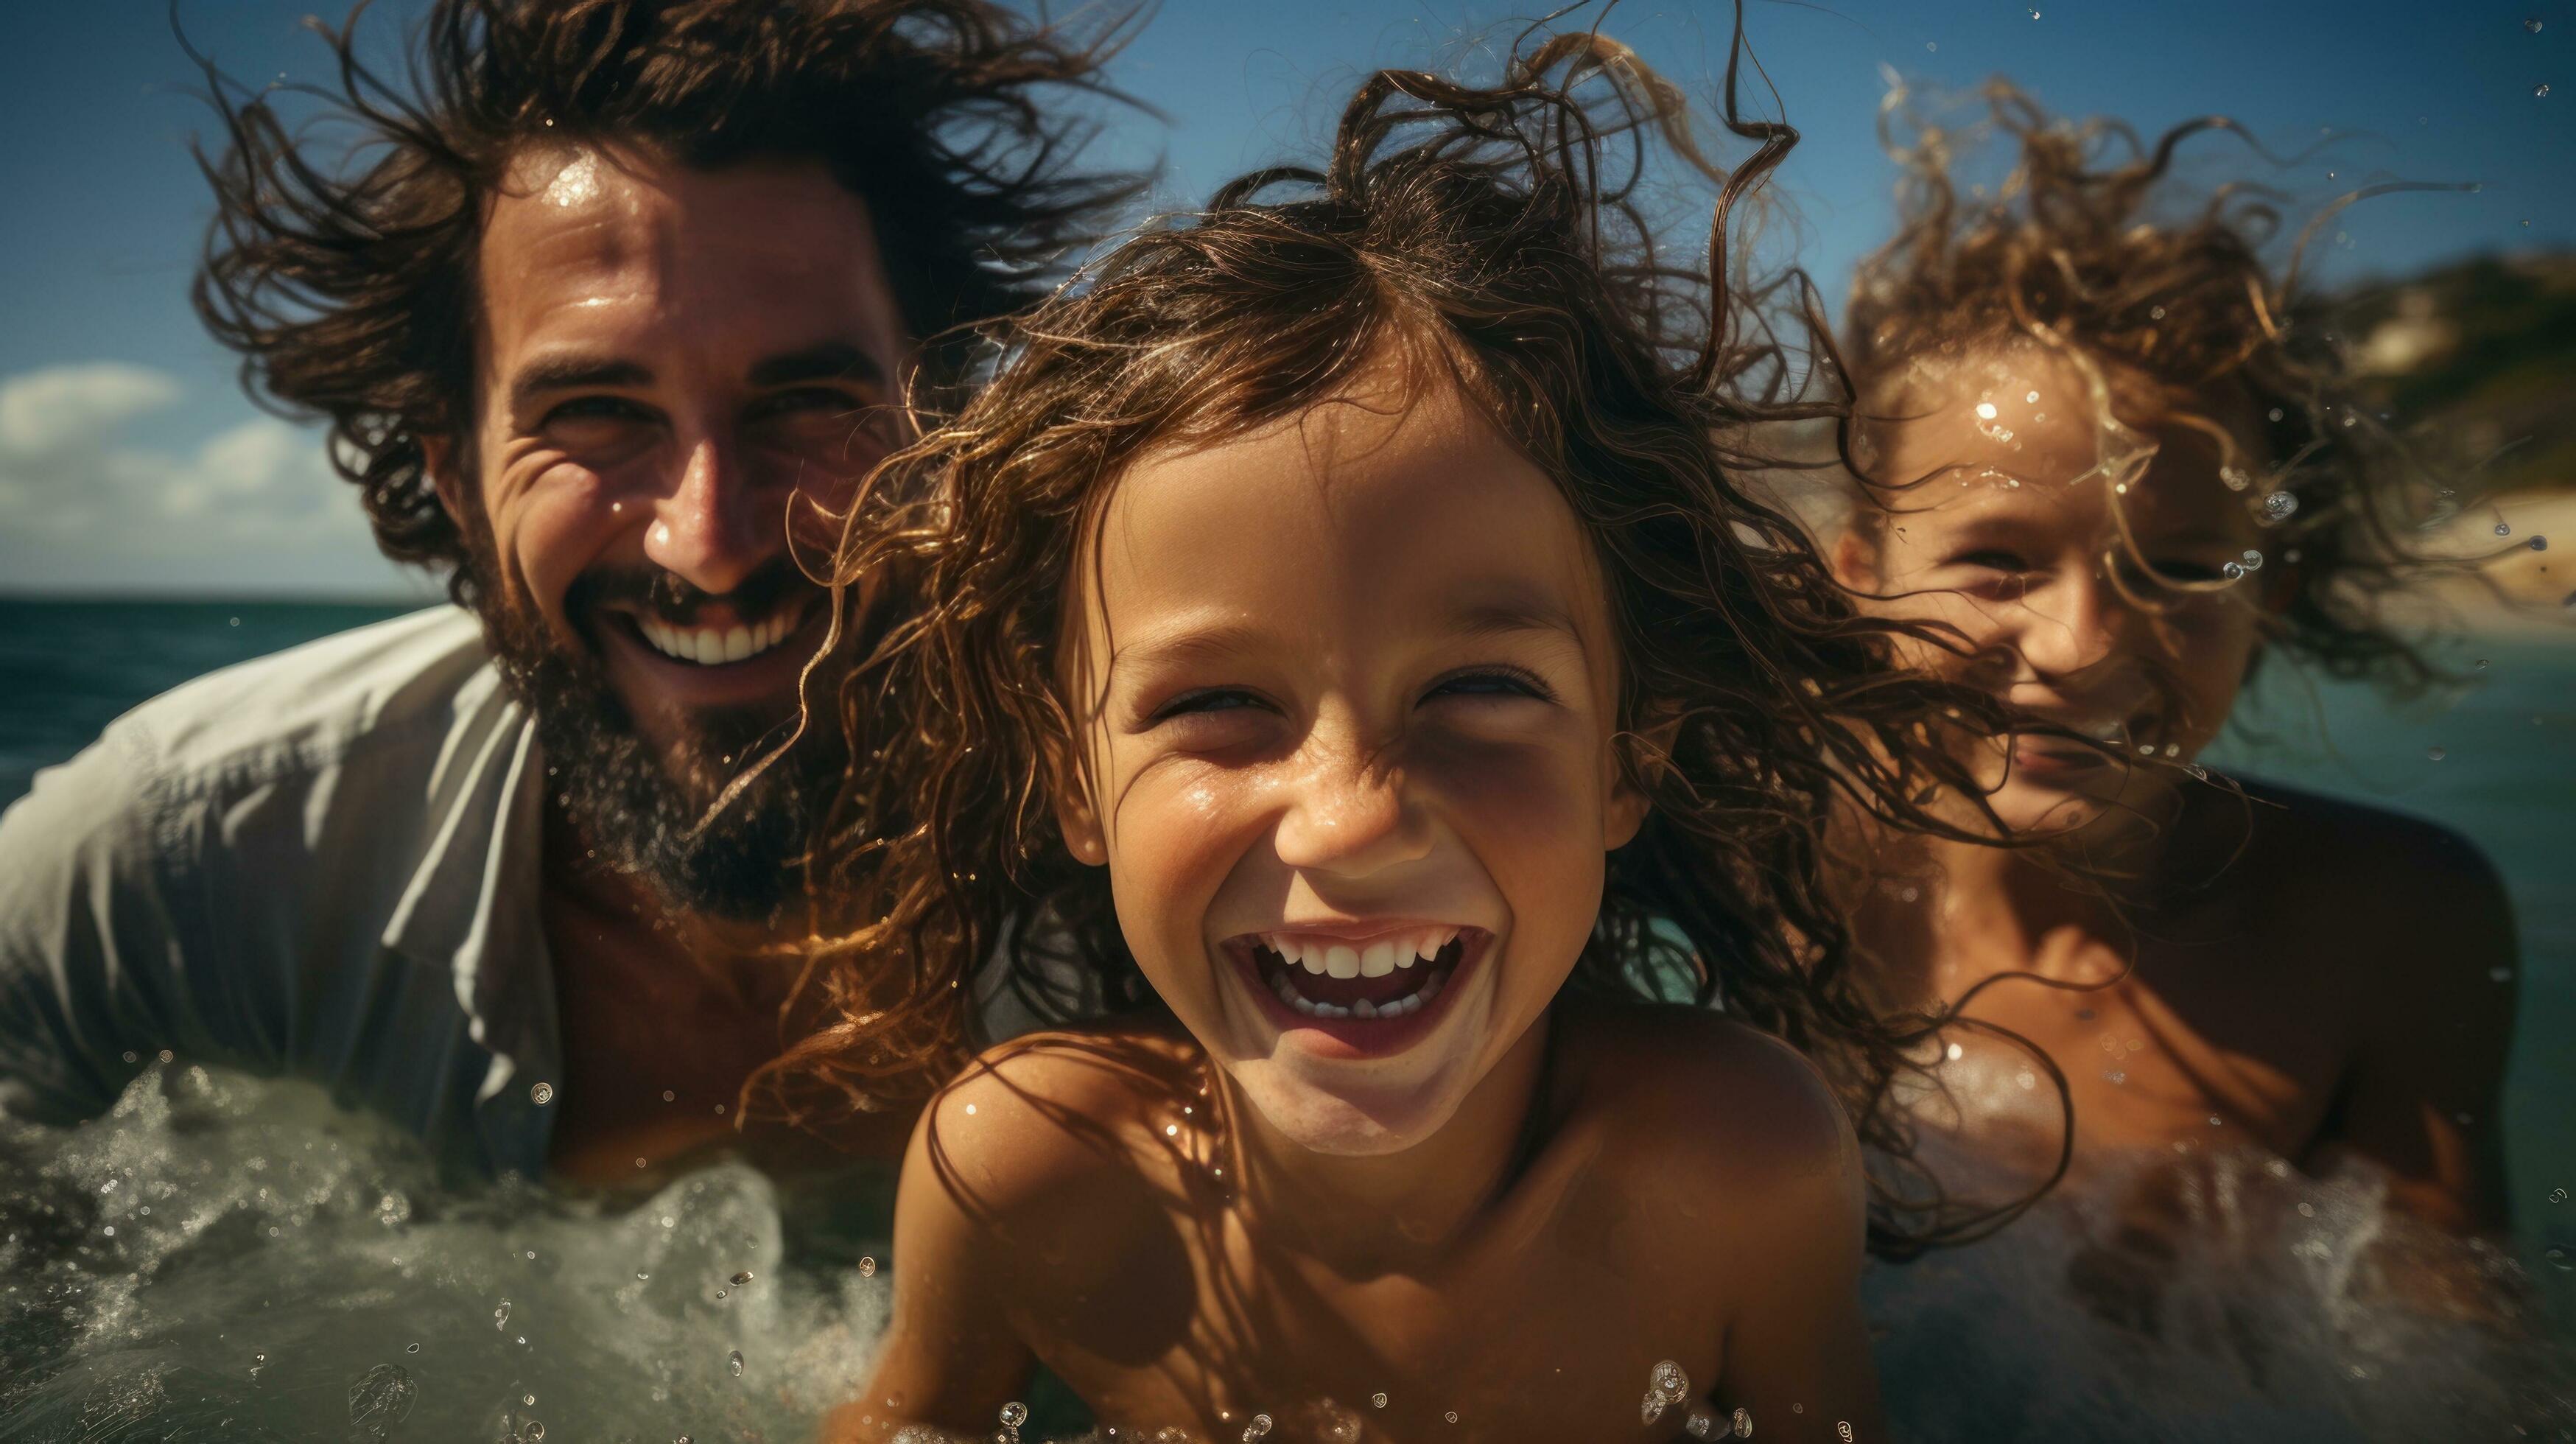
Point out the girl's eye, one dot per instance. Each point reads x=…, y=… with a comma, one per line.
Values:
x=1213, y=699
x=1490, y=682
x=1992, y=559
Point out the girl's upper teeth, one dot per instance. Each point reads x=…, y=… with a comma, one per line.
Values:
x=1378, y=957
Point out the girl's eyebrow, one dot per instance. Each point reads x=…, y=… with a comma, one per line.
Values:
x=1188, y=642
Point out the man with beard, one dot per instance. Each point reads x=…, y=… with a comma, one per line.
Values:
x=605, y=319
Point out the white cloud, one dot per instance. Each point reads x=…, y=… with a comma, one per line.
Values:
x=84, y=503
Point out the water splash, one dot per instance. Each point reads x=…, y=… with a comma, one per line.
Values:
x=258, y=1222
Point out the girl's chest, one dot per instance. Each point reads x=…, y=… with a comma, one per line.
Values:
x=1552, y=1337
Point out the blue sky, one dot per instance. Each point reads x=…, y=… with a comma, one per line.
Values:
x=130, y=461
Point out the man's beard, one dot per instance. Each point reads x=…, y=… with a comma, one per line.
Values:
x=645, y=808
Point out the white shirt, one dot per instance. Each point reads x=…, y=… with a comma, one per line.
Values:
x=322, y=863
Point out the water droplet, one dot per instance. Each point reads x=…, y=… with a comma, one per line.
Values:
x=667, y=1095
x=742, y=1278
x=1699, y=1423
x=528, y=1399
x=1452, y=1415
x=2504, y=528
x=970, y=1110
x=542, y=1094
x=1378, y=1399
x=2279, y=506
x=2538, y=543
x=733, y=1363
x=2231, y=571
x=721, y=1294
x=2532, y=25
x=867, y=1268
x=2540, y=91
x=1015, y=1414
x=1985, y=411
x=164, y=1055
x=2435, y=753
x=1953, y=1052
x=1743, y=1424
x=2034, y=14
x=642, y=1276
x=2275, y=413
x=501, y=1315
x=133, y=1057
x=2253, y=561
x=1259, y=1428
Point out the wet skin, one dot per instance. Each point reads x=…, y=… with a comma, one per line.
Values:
x=670, y=358
x=2315, y=976
x=1395, y=709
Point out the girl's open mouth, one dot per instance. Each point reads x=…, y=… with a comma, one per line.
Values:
x=1347, y=984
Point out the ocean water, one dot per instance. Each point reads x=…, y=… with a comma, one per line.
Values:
x=226, y=1258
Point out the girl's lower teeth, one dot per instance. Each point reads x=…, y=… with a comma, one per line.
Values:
x=1405, y=1006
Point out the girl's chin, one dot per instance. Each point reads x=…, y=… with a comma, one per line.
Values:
x=1349, y=1122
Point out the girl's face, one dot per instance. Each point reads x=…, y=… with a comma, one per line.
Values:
x=1345, y=691
x=2015, y=540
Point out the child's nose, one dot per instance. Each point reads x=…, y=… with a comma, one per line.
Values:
x=708, y=529
x=2073, y=625
x=1350, y=815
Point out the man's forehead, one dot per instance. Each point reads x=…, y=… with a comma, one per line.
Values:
x=586, y=237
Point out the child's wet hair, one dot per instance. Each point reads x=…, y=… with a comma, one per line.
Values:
x=1478, y=228
x=2091, y=249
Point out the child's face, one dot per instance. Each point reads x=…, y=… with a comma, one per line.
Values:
x=2013, y=542
x=1346, y=696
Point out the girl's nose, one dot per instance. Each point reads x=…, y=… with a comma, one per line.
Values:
x=2072, y=625
x=1350, y=815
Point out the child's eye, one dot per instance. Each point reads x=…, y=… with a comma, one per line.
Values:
x=1993, y=559
x=1212, y=699
x=1490, y=682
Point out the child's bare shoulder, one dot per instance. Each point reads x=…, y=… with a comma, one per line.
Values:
x=1046, y=1124
x=1712, y=1103
x=2399, y=890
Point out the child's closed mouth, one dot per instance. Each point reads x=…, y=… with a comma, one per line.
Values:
x=1363, y=984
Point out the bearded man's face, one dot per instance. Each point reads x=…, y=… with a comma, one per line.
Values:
x=678, y=366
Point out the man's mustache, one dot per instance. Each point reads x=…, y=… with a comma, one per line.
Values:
x=669, y=598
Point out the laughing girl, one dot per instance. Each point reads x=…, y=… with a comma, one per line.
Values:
x=1340, y=640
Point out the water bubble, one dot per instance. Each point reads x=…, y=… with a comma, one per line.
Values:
x=2279, y=506
x=1985, y=411
x=528, y=1399
x=2556, y=1195
x=722, y=1294
x=1452, y=1415
x=2504, y=528
x=2235, y=478
x=542, y=1094
x=164, y=1055
x=536, y=1429
x=2275, y=413
x=2253, y=561
x=2540, y=91
x=2532, y=25
x=667, y=1095
x=1259, y=1428
x=2034, y=12
x=1014, y=1414
x=1378, y=1399
x=381, y=1398
x=133, y=1057
x=867, y=1268
x=413, y=1349
x=1669, y=1380
x=2538, y=543
x=742, y=1278
x=501, y=1315
x=2558, y=1258
x=733, y=1363
x=1742, y=1424
x=1700, y=1424
x=1842, y=1430
x=2435, y=753
x=2231, y=571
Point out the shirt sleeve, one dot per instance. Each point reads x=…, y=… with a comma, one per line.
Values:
x=84, y=931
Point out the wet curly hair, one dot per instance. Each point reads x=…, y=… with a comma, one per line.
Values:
x=2092, y=248
x=345, y=278
x=1493, y=228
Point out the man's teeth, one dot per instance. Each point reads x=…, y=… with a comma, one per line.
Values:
x=712, y=646
x=1327, y=957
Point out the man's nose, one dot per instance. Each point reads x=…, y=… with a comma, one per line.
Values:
x=1351, y=814
x=2073, y=625
x=711, y=529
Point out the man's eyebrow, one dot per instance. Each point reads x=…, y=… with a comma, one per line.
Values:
x=572, y=373
x=827, y=361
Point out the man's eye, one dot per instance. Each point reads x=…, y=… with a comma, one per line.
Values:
x=598, y=408
x=805, y=401
x=1490, y=682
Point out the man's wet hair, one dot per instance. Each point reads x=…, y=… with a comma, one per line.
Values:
x=2091, y=247
x=1491, y=237
x=341, y=259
